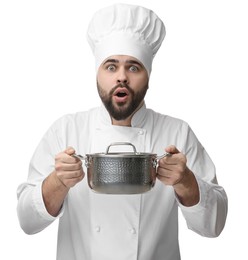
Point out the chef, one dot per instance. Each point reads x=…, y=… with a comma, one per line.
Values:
x=124, y=39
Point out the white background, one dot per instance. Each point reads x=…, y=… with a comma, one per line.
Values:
x=199, y=75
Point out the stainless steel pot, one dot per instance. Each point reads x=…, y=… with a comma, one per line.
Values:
x=121, y=173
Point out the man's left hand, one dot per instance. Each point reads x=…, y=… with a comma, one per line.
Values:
x=172, y=170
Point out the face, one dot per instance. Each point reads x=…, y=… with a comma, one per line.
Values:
x=122, y=82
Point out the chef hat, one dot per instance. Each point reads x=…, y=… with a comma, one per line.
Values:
x=123, y=29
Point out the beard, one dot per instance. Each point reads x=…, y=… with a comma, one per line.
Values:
x=122, y=110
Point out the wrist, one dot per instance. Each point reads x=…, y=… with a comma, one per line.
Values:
x=187, y=189
x=53, y=192
x=56, y=182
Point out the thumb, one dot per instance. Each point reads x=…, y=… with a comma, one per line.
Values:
x=70, y=150
x=172, y=149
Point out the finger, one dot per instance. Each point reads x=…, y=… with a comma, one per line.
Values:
x=166, y=163
x=67, y=166
x=163, y=178
x=166, y=180
x=69, y=179
x=71, y=174
x=173, y=158
x=165, y=172
x=66, y=156
x=177, y=165
x=169, y=177
x=70, y=150
x=162, y=172
x=73, y=181
x=172, y=149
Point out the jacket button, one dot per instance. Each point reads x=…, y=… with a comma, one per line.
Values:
x=132, y=231
x=97, y=229
x=141, y=132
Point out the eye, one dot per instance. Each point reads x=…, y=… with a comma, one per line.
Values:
x=133, y=68
x=111, y=67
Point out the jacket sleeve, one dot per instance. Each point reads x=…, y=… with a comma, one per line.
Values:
x=208, y=217
x=31, y=211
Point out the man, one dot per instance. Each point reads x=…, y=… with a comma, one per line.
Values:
x=124, y=40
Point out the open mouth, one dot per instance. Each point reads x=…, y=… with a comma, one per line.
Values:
x=121, y=94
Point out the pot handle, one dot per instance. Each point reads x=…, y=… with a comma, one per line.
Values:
x=155, y=162
x=163, y=155
x=81, y=157
x=121, y=143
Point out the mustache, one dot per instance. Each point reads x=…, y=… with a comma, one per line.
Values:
x=121, y=85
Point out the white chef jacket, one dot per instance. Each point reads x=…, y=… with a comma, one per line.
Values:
x=119, y=227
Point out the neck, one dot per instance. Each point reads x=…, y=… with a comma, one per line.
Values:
x=126, y=121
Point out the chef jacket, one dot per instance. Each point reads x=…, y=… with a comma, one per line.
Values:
x=144, y=226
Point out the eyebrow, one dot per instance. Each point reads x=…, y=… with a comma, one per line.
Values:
x=127, y=61
x=134, y=62
x=111, y=61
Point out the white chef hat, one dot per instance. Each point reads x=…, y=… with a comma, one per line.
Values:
x=123, y=29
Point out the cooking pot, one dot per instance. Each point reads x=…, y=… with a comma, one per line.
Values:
x=121, y=172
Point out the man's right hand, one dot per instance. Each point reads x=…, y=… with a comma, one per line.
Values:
x=68, y=172
x=68, y=168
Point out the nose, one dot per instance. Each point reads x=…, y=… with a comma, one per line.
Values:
x=122, y=76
